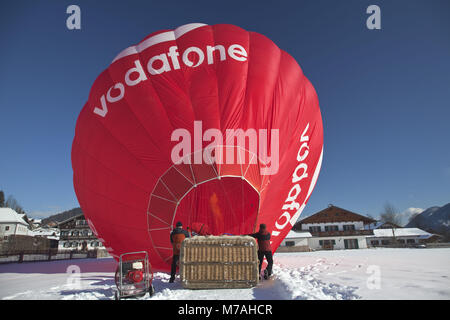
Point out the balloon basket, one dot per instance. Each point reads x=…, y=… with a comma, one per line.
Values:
x=219, y=262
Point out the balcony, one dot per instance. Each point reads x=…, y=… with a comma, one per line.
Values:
x=75, y=226
x=342, y=233
x=78, y=237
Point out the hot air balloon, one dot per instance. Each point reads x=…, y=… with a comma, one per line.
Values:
x=213, y=126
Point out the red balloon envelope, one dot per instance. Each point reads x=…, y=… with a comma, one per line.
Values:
x=213, y=126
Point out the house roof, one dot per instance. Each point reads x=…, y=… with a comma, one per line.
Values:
x=335, y=214
x=401, y=232
x=50, y=233
x=298, y=234
x=8, y=215
x=70, y=219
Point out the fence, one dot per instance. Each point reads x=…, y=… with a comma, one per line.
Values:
x=47, y=255
x=294, y=249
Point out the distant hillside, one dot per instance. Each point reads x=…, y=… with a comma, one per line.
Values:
x=59, y=217
x=434, y=220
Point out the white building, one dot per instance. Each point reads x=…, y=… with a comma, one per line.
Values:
x=11, y=223
x=75, y=234
x=336, y=228
x=395, y=236
x=297, y=239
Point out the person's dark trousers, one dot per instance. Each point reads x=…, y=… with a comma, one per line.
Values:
x=268, y=255
x=173, y=269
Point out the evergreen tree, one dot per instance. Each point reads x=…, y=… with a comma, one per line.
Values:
x=2, y=199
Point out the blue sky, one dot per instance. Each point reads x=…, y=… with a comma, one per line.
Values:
x=384, y=94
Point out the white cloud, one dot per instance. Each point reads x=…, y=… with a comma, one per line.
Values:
x=408, y=213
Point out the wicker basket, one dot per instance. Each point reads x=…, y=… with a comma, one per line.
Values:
x=214, y=262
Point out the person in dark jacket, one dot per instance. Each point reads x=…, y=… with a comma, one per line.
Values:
x=176, y=238
x=264, y=249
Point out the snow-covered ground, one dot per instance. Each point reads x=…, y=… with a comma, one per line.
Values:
x=343, y=274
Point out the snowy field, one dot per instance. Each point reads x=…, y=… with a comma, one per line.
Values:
x=343, y=274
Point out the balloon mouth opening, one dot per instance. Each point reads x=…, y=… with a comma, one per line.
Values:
x=226, y=205
x=208, y=198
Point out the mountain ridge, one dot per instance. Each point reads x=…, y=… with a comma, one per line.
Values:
x=62, y=216
x=434, y=220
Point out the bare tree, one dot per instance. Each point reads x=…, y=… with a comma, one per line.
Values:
x=390, y=214
x=12, y=203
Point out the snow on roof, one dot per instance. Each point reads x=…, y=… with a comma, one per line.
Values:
x=8, y=215
x=401, y=232
x=46, y=231
x=298, y=234
x=50, y=233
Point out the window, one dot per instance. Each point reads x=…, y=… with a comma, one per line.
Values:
x=327, y=244
x=331, y=228
x=290, y=243
x=6, y=228
x=351, y=244
x=81, y=222
x=385, y=242
x=401, y=241
x=75, y=233
x=315, y=229
x=374, y=242
x=75, y=244
x=66, y=244
x=349, y=227
x=410, y=241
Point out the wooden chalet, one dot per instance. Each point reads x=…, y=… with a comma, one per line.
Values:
x=336, y=228
x=75, y=234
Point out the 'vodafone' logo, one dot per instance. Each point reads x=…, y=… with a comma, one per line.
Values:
x=291, y=207
x=192, y=57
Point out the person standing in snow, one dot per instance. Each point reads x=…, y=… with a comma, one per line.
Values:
x=176, y=238
x=264, y=249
